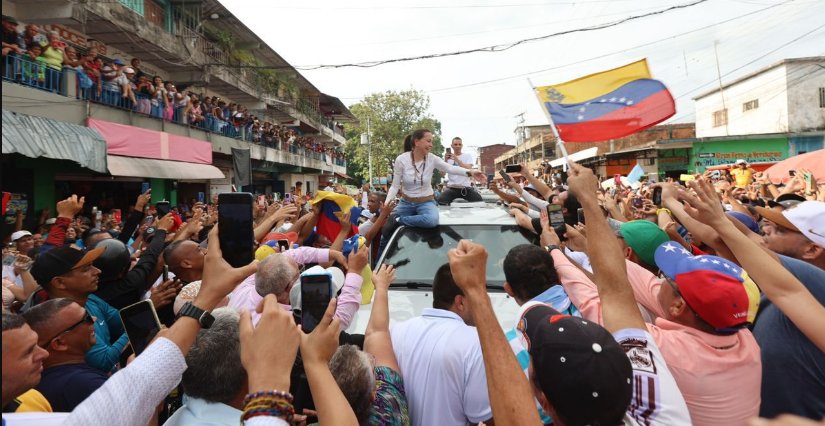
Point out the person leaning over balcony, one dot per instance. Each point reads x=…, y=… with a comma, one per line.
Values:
x=55, y=56
x=160, y=102
x=413, y=171
x=11, y=37
x=31, y=35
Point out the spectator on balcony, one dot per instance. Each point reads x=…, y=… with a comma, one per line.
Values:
x=160, y=103
x=144, y=88
x=55, y=56
x=31, y=35
x=11, y=39
x=92, y=68
x=217, y=112
x=180, y=101
x=116, y=82
x=193, y=113
x=34, y=68
x=136, y=66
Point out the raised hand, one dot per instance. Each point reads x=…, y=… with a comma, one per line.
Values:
x=167, y=222
x=581, y=181
x=468, y=263
x=704, y=205
x=143, y=200
x=358, y=260
x=70, y=206
x=220, y=278
x=383, y=277
x=268, y=350
x=319, y=346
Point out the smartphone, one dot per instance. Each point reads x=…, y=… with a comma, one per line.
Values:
x=316, y=292
x=556, y=215
x=141, y=323
x=201, y=197
x=283, y=245
x=580, y=213
x=144, y=187
x=505, y=176
x=513, y=168
x=288, y=198
x=792, y=173
x=165, y=273
x=236, y=229
x=809, y=183
x=657, y=196
x=638, y=202
x=163, y=208
x=448, y=150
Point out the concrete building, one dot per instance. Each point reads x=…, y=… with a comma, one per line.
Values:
x=196, y=45
x=486, y=160
x=763, y=117
x=539, y=145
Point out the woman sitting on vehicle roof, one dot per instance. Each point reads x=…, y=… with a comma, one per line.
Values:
x=413, y=171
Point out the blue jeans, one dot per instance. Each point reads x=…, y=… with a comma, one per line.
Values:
x=419, y=215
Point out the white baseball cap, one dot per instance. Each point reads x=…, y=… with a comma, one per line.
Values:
x=51, y=221
x=808, y=218
x=337, y=283
x=20, y=234
x=741, y=161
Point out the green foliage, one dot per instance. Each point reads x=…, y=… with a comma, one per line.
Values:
x=394, y=115
x=221, y=38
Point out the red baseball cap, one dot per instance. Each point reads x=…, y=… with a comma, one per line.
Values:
x=718, y=291
x=274, y=236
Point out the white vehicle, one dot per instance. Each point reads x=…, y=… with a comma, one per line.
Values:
x=417, y=254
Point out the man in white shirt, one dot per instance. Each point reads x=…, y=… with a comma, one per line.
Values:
x=458, y=185
x=440, y=357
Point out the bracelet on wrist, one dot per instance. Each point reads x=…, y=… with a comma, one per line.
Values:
x=268, y=403
x=666, y=210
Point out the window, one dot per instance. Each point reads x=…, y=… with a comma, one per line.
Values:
x=822, y=97
x=747, y=106
x=720, y=118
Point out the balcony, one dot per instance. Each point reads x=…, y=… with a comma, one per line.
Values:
x=30, y=87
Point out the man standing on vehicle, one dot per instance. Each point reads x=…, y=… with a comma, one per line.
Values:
x=459, y=185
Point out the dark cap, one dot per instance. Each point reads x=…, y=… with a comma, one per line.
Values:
x=786, y=200
x=60, y=260
x=12, y=19
x=581, y=369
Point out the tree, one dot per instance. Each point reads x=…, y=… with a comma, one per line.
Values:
x=394, y=115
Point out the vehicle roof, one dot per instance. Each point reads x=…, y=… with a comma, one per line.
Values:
x=488, y=214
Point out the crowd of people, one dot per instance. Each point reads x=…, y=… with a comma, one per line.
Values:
x=38, y=59
x=669, y=304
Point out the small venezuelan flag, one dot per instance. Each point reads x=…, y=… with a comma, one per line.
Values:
x=607, y=105
x=332, y=206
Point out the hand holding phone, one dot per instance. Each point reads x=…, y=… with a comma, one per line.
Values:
x=657, y=196
x=513, y=168
x=316, y=292
x=505, y=176
x=163, y=208
x=141, y=323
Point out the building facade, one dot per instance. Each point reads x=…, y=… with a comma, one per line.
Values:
x=201, y=48
x=486, y=160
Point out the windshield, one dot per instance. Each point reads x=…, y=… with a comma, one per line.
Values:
x=417, y=253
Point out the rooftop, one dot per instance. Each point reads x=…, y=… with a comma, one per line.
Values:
x=762, y=70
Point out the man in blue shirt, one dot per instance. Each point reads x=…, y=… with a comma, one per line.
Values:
x=66, y=330
x=67, y=271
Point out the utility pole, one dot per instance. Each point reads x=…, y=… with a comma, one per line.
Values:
x=366, y=139
x=721, y=91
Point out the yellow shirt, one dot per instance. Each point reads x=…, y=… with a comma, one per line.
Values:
x=33, y=402
x=743, y=176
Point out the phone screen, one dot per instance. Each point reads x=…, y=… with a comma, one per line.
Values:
x=809, y=183
x=448, y=150
x=316, y=292
x=792, y=173
x=163, y=208
x=505, y=176
x=201, y=197
x=556, y=215
x=236, y=229
x=513, y=168
x=141, y=324
x=580, y=214
x=657, y=196
x=165, y=273
x=144, y=187
x=283, y=244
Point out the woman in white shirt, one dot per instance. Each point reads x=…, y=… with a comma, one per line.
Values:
x=413, y=171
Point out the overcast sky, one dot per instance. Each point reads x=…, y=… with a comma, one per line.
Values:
x=680, y=52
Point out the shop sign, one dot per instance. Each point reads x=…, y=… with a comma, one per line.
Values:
x=712, y=154
x=673, y=159
x=76, y=38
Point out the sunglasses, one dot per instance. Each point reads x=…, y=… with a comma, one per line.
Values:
x=87, y=319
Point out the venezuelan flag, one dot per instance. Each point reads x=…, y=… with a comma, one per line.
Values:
x=607, y=105
x=332, y=206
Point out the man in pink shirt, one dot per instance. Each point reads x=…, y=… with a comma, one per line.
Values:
x=701, y=313
x=278, y=272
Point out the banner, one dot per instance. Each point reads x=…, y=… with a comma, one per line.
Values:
x=242, y=163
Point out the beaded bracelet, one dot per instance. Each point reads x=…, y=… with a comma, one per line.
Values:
x=267, y=406
x=273, y=394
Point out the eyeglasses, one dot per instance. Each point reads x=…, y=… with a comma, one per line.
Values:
x=87, y=319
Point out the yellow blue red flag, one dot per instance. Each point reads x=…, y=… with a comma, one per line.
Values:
x=607, y=105
x=332, y=206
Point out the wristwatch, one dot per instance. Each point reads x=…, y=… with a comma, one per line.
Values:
x=552, y=247
x=189, y=310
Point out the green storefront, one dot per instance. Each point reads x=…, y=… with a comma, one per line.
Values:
x=758, y=152
x=674, y=163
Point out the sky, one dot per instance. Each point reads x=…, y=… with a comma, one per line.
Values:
x=478, y=96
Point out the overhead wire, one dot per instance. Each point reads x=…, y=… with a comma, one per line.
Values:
x=501, y=47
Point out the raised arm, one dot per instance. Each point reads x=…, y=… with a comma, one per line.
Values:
x=779, y=285
x=540, y=186
x=619, y=308
x=377, y=340
x=397, y=177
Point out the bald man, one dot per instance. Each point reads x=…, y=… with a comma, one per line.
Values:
x=185, y=260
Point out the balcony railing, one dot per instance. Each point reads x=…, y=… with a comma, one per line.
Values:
x=71, y=83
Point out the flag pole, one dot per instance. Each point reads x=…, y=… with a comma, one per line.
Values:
x=559, y=141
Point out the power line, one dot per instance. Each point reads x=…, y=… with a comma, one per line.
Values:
x=500, y=47
x=471, y=6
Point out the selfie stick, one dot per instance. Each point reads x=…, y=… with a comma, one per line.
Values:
x=559, y=141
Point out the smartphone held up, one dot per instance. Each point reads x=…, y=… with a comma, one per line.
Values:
x=235, y=228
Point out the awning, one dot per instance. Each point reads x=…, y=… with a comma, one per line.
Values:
x=577, y=156
x=343, y=175
x=162, y=169
x=36, y=137
x=628, y=151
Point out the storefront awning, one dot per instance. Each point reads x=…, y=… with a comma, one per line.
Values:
x=162, y=169
x=577, y=156
x=343, y=175
x=36, y=137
